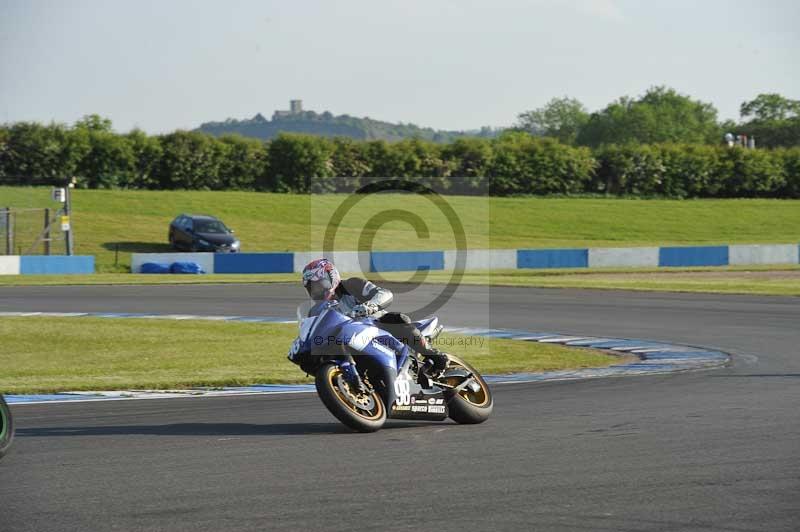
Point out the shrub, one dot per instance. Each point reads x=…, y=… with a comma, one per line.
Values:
x=630, y=170
x=791, y=168
x=523, y=164
x=751, y=173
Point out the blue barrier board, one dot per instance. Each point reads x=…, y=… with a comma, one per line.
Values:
x=254, y=263
x=552, y=258
x=693, y=256
x=404, y=261
x=56, y=264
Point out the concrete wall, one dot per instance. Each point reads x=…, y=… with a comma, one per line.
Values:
x=764, y=254
x=351, y=262
x=9, y=265
x=361, y=263
x=483, y=259
x=622, y=257
x=205, y=260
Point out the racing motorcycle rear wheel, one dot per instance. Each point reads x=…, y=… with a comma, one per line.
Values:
x=361, y=411
x=6, y=427
x=467, y=406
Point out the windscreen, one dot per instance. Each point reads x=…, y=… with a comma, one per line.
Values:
x=210, y=226
x=302, y=311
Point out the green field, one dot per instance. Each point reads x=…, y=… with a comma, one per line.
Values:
x=61, y=354
x=136, y=221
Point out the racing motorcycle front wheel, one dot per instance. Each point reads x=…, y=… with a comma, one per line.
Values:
x=361, y=411
x=473, y=403
x=6, y=427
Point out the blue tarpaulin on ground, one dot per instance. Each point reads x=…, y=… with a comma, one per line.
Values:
x=154, y=267
x=186, y=267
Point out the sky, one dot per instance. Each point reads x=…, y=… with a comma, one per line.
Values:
x=447, y=64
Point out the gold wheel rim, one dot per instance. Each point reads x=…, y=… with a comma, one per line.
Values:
x=479, y=398
x=373, y=415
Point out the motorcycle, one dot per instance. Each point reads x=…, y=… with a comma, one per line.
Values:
x=364, y=375
x=6, y=427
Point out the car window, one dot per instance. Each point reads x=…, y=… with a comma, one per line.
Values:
x=210, y=226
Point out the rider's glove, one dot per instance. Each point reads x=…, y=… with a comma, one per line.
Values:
x=364, y=310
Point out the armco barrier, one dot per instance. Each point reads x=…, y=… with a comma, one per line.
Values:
x=476, y=259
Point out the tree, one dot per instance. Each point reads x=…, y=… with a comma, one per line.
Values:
x=147, y=154
x=775, y=120
x=189, y=161
x=94, y=123
x=561, y=118
x=109, y=159
x=300, y=163
x=108, y=162
x=470, y=160
x=245, y=163
x=349, y=163
x=523, y=164
x=772, y=106
x=35, y=154
x=660, y=115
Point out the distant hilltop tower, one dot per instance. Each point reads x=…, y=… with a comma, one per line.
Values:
x=295, y=108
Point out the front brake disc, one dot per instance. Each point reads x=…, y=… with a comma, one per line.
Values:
x=361, y=401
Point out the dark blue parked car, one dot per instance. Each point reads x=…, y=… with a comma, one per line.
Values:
x=193, y=232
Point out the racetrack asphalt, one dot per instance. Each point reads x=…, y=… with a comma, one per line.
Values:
x=708, y=450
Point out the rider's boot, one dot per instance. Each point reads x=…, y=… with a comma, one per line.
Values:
x=435, y=360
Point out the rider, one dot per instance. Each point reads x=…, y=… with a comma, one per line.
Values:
x=360, y=298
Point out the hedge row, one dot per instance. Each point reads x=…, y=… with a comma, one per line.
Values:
x=688, y=171
x=515, y=163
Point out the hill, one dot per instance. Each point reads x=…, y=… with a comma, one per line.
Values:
x=326, y=124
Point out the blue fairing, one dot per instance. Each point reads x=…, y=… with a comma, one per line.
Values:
x=326, y=328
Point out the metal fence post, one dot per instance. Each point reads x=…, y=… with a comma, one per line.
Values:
x=46, y=231
x=9, y=232
x=68, y=213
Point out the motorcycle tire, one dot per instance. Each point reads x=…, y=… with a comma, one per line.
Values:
x=467, y=407
x=360, y=412
x=6, y=427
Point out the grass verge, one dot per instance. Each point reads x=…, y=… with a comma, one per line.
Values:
x=782, y=280
x=61, y=354
x=776, y=281
x=143, y=279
